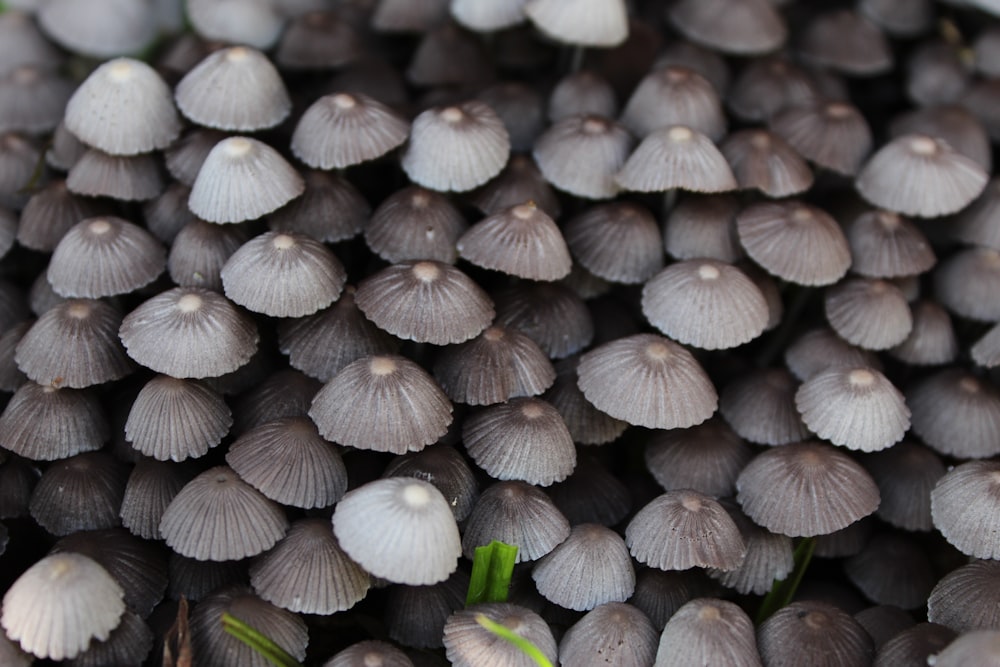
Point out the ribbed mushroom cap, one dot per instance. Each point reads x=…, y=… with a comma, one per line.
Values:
x=964, y=506
x=243, y=179
x=613, y=633
x=446, y=469
x=308, y=572
x=282, y=274
x=217, y=516
x=683, y=529
x=857, y=408
x=706, y=62
x=497, y=365
x=123, y=108
x=967, y=599
x=199, y=252
x=394, y=406
x=768, y=557
x=952, y=124
x=449, y=56
x=764, y=161
x=737, y=28
x=100, y=29
x=985, y=351
x=150, y=488
x=456, y=148
x=900, y=18
x=520, y=181
x=979, y=647
x=705, y=303
x=49, y=214
x=892, y=569
x=400, y=529
x=212, y=645
x=581, y=155
x=282, y=393
x=47, y=423
x=344, y=129
x=129, y=178
x=905, y=474
x=966, y=284
x=676, y=157
x=319, y=38
x=903, y=643
x=235, y=89
x=521, y=241
x=932, y=340
x=920, y=175
x=370, y=652
x=975, y=224
x=595, y=23
x=515, y=513
x=847, y=42
x=59, y=604
x=760, y=407
x=184, y=157
x=287, y=461
x=794, y=241
x=414, y=223
x=582, y=92
x=818, y=350
x=886, y=245
x=703, y=226
x=660, y=593
x=83, y=492
x=591, y=567
x=33, y=99
x=105, y=256
x=523, y=439
x=128, y=644
x=704, y=458
x=805, y=489
x=425, y=301
x=619, y=242
x=468, y=644
x=649, y=381
x=832, y=135
x=520, y=107
x=415, y=615
x=710, y=632
x=256, y=23
x=587, y=425
x=139, y=567
x=196, y=579
x=75, y=344
x=188, y=332
x=551, y=314
x=331, y=209
x=956, y=414
x=813, y=633
x=674, y=95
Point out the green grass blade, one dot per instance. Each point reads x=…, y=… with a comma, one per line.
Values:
x=492, y=568
x=783, y=590
x=258, y=642
x=525, y=646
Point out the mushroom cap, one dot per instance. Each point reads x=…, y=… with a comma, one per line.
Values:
x=732, y=27
x=964, y=506
x=831, y=134
x=520, y=241
x=344, y=129
x=614, y=632
x=591, y=567
x=468, y=644
x=518, y=514
x=708, y=631
x=600, y=23
x=581, y=155
x=101, y=29
x=676, y=157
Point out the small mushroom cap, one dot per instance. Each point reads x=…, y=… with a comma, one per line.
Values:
x=582, y=92
x=48, y=423
x=400, y=529
x=600, y=23
x=619, y=242
x=676, y=157
x=591, y=567
x=761, y=407
x=124, y=177
x=708, y=631
x=150, y=488
x=964, y=506
x=414, y=223
x=468, y=644
x=344, y=129
x=331, y=209
x=732, y=27
x=886, y=245
x=61, y=603
x=83, y=492
x=370, y=652
x=846, y=41
x=956, y=414
x=706, y=458
x=101, y=29
x=832, y=135
x=515, y=513
x=520, y=241
x=763, y=160
x=905, y=474
x=703, y=226
x=446, y=469
x=614, y=632
x=172, y=419
x=810, y=632
x=966, y=284
x=551, y=314
x=979, y=647
x=581, y=155
x=673, y=95
x=966, y=599
x=256, y=23
x=892, y=569
x=818, y=350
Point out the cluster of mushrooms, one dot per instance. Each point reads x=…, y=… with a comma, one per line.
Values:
x=301, y=301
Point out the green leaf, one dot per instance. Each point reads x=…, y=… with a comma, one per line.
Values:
x=783, y=590
x=492, y=568
x=525, y=646
x=258, y=642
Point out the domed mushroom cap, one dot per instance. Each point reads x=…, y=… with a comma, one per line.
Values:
x=243, y=179
x=676, y=157
x=515, y=513
x=968, y=598
x=330, y=209
x=370, y=652
x=217, y=516
x=870, y=313
x=761, y=407
x=887, y=245
x=703, y=226
x=100, y=29
x=649, y=381
x=920, y=175
x=283, y=275
x=591, y=567
x=600, y=23
x=468, y=644
x=581, y=155
x=150, y=488
x=706, y=458
x=906, y=473
x=414, y=223
x=400, y=529
x=446, y=469
x=124, y=177
x=832, y=135
x=965, y=505
x=614, y=632
x=705, y=303
x=382, y=403
x=189, y=333
x=619, y=242
x=174, y=419
x=847, y=42
x=813, y=633
x=425, y=301
x=256, y=23
x=520, y=241
x=730, y=26
x=683, y=529
x=672, y=95
x=83, y=492
x=235, y=89
x=857, y=408
x=123, y=108
x=345, y=129
x=805, y=489
x=956, y=413
x=61, y=603
x=48, y=423
x=818, y=350
x=456, y=148
x=710, y=632
x=103, y=257
x=967, y=284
